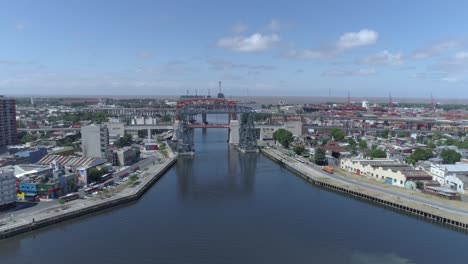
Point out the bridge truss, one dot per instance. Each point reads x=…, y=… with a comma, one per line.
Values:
x=188, y=109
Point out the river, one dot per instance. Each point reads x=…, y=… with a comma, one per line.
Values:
x=224, y=207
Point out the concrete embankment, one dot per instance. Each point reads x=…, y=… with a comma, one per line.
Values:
x=412, y=207
x=136, y=193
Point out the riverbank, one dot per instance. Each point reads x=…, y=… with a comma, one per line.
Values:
x=446, y=216
x=24, y=223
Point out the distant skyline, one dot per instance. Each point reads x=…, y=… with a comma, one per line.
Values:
x=256, y=48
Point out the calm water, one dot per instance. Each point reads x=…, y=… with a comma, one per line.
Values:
x=223, y=207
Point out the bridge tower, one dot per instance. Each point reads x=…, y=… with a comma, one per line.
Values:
x=184, y=136
x=241, y=132
x=247, y=133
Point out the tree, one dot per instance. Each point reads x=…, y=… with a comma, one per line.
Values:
x=94, y=174
x=401, y=134
x=362, y=144
x=26, y=138
x=320, y=158
x=385, y=133
x=166, y=118
x=419, y=185
x=377, y=153
x=299, y=149
x=419, y=139
x=450, y=156
x=126, y=140
x=283, y=136
x=337, y=134
x=419, y=154
x=431, y=145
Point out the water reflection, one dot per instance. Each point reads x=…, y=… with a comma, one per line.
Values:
x=208, y=175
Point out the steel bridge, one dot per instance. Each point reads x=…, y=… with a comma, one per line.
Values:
x=241, y=131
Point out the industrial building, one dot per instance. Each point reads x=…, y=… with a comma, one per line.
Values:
x=8, y=132
x=453, y=176
x=95, y=141
x=386, y=170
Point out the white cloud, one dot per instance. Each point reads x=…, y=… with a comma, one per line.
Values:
x=457, y=63
x=217, y=64
x=364, y=37
x=358, y=72
x=239, y=28
x=346, y=41
x=436, y=49
x=450, y=79
x=309, y=54
x=384, y=57
x=254, y=43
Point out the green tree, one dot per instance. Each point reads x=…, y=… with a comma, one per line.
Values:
x=419, y=185
x=362, y=144
x=419, y=139
x=450, y=156
x=26, y=138
x=385, y=133
x=352, y=142
x=337, y=134
x=436, y=136
x=166, y=118
x=320, y=158
x=431, y=145
x=419, y=154
x=377, y=153
x=94, y=174
x=283, y=136
x=126, y=140
x=299, y=149
x=401, y=134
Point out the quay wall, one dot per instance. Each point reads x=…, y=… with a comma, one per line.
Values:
x=90, y=209
x=433, y=214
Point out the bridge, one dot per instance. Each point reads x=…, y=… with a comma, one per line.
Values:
x=241, y=132
x=123, y=111
x=263, y=128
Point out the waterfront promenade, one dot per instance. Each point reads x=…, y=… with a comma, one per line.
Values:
x=33, y=219
x=427, y=208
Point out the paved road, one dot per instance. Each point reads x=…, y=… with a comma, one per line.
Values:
x=316, y=171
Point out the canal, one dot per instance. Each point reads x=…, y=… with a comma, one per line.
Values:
x=224, y=207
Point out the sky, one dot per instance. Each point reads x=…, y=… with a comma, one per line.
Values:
x=256, y=48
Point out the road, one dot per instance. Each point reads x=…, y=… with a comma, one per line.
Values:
x=316, y=171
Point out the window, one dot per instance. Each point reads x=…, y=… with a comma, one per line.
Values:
x=394, y=180
x=401, y=182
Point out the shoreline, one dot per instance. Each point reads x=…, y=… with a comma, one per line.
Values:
x=432, y=214
x=109, y=203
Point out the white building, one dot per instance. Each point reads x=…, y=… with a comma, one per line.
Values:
x=7, y=188
x=453, y=176
x=94, y=141
x=365, y=104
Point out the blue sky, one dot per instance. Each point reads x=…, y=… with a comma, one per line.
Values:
x=293, y=48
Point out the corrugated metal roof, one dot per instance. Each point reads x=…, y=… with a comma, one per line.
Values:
x=71, y=161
